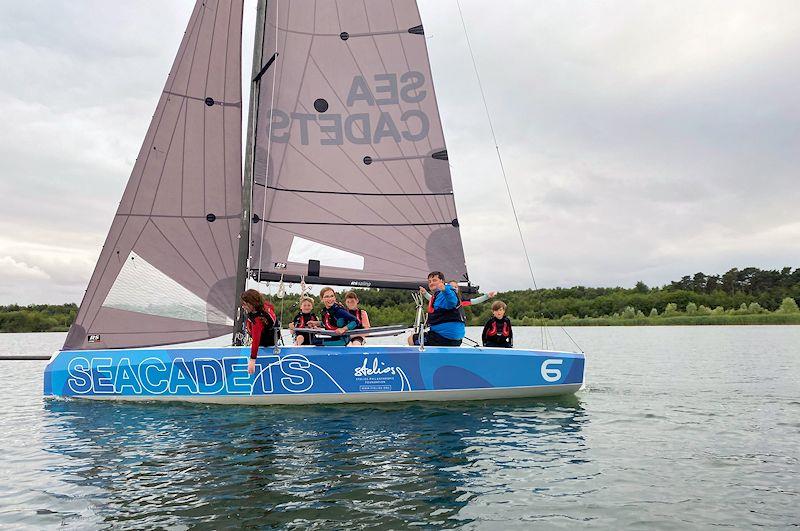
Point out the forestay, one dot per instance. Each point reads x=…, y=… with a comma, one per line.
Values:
x=351, y=166
x=166, y=273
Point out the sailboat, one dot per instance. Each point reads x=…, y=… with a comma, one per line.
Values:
x=346, y=182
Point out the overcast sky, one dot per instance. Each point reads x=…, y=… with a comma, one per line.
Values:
x=643, y=140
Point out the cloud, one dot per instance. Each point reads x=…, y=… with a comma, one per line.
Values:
x=641, y=141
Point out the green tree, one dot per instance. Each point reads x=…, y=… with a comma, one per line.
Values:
x=789, y=305
x=671, y=309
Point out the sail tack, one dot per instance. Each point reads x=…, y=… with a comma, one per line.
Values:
x=167, y=270
x=351, y=166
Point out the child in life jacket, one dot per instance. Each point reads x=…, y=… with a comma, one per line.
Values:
x=351, y=302
x=497, y=330
x=261, y=324
x=334, y=316
x=302, y=319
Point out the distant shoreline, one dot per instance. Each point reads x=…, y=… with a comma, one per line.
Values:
x=677, y=320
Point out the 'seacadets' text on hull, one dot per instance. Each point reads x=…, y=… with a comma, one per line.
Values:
x=306, y=375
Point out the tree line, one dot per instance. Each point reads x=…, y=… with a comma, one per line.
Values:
x=737, y=292
x=37, y=317
x=726, y=298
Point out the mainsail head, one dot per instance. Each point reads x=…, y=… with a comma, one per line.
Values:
x=166, y=273
x=351, y=167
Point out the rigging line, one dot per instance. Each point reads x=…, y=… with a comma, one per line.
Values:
x=500, y=158
x=569, y=336
x=355, y=224
x=388, y=194
x=496, y=146
x=269, y=138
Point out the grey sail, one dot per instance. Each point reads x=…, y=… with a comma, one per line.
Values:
x=166, y=273
x=351, y=166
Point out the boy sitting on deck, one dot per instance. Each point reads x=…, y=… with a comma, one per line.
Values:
x=497, y=330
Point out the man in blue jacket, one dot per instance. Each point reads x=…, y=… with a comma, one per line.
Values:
x=444, y=318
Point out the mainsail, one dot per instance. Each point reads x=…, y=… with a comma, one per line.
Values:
x=166, y=273
x=351, y=167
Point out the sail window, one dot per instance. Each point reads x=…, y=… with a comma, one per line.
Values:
x=303, y=250
x=142, y=288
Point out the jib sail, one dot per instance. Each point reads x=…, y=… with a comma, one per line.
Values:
x=167, y=270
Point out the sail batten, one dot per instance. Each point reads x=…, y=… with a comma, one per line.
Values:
x=166, y=272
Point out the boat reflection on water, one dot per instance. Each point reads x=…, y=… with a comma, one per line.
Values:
x=153, y=465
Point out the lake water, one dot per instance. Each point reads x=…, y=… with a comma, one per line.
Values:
x=678, y=427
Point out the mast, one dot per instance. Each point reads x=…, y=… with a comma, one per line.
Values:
x=247, y=184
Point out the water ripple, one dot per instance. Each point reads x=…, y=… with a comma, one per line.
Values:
x=663, y=439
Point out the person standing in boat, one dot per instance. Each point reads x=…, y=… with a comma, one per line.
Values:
x=261, y=324
x=334, y=316
x=351, y=302
x=302, y=319
x=444, y=316
x=497, y=330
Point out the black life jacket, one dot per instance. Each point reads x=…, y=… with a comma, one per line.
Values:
x=453, y=315
x=267, y=314
x=301, y=319
x=498, y=327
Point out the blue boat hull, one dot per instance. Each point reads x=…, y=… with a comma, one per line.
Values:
x=307, y=375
